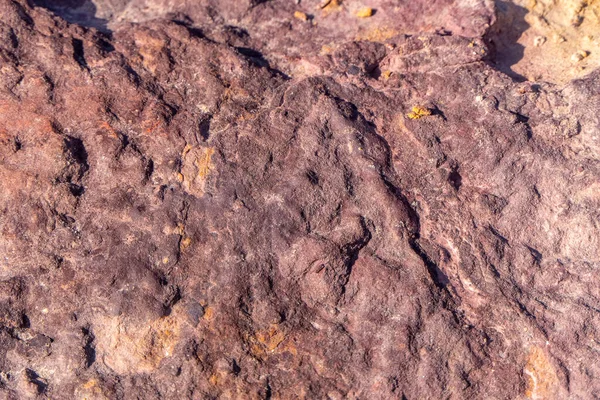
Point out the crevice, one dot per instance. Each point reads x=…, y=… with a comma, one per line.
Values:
x=76, y=190
x=174, y=298
x=312, y=177
x=256, y=58
x=184, y=213
x=268, y=391
x=79, y=54
x=187, y=23
x=148, y=170
x=352, y=250
x=204, y=128
x=537, y=256
x=89, y=348
x=414, y=225
x=503, y=239
x=76, y=154
x=455, y=179
x=34, y=378
x=17, y=145
x=522, y=119
x=439, y=278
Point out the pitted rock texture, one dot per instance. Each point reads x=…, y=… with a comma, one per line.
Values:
x=217, y=199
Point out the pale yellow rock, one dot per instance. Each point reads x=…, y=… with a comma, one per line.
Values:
x=549, y=49
x=364, y=12
x=301, y=16
x=377, y=34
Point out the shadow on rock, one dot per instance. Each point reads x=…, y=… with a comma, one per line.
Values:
x=503, y=36
x=80, y=12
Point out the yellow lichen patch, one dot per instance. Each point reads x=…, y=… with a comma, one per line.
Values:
x=129, y=347
x=256, y=350
x=301, y=16
x=90, y=391
x=330, y=6
x=90, y=384
x=364, y=12
x=203, y=163
x=185, y=243
x=543, y=381
x=209, y=313
x=186, y=149
x=195, y=169
x=386, y=75
x=215, y=379
x=419, y=112
x=267, y=341
x=377, y=34
x=271, y=338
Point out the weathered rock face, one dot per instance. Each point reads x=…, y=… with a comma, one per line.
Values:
x=217, y=199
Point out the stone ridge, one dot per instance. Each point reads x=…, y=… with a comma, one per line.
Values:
x=218, y=199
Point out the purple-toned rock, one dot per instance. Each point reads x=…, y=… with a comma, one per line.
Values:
x=220, y=199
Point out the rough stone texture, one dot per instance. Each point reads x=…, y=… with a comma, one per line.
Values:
x=216, y=199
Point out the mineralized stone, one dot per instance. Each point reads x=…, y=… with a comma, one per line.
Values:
x=218, y=199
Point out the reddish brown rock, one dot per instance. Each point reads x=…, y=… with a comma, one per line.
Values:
x=216, y=199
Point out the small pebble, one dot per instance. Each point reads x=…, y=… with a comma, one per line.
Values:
x=365, y=12
x=576, y=20
x=580, y=55
x=301, y=16
x=539, y=40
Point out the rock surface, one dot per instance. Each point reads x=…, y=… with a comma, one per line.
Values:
x=217, y=199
